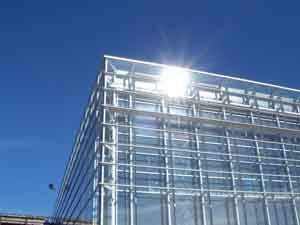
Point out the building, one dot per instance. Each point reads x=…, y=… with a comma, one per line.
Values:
x=13, y=219
x=161, y=145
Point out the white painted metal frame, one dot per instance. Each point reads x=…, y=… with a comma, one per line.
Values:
x=281, y=116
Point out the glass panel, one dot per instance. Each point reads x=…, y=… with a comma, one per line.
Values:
x=220, y=211
x=281, y=212
x=252, y=212
x=185, y=211
x=149, y=209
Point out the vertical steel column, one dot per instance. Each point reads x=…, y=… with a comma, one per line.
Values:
x=131, y=152
x=97, y=159
x=167, y=177
x=96, y=180
x=102, y=173
x=288, y=174
x=261, y=174
x=236, y=208
x=114, y=168
x=202, y=197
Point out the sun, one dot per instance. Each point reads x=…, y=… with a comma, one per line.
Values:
x=174, y=81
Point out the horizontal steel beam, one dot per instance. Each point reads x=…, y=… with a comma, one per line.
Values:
x=197, y=120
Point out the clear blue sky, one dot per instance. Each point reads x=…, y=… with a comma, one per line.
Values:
x=50, y=51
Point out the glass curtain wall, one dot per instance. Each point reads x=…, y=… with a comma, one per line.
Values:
x=227, y=151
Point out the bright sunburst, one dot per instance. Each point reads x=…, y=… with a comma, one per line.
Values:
x=174, y=81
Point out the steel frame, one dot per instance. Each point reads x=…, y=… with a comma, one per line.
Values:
x=252, y=112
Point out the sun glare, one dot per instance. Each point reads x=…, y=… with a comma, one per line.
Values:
x=174, y=81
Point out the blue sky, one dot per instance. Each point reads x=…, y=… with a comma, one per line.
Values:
x=50, y=52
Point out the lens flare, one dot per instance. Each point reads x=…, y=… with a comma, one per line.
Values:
x=174, y=81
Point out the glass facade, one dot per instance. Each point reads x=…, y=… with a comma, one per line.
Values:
x=227, y=152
